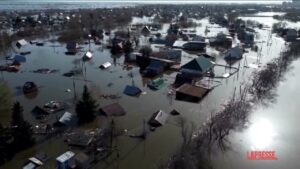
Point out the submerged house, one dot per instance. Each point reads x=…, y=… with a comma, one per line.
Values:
x=21, y=43
x=221, y=40
x=105, y=65
x=72, y=48
x=114, y=109
x=39, y=112
x=180, y=79
x=33, y=163
x=191, y=93
x=246, y=37
x=197, y=67
x=158, y=119
x=233, y=54
x=65, y=119
x=194, y=46
x=145, y=30
x=160, y=41
x=132, y=91
x=169, y=54
x=291, y=35
x=155, y=67
x=19, y=58
x=79, y=139
x=87, y=56
x=66, y=160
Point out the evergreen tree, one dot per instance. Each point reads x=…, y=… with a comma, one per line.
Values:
x=5, y=145
x=86, y=107
x=17, y=115
x=21, y=129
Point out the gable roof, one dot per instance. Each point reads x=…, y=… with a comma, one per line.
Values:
x=20, y=58
x=234, y=53
x=65, y=118
x=71, y=45
x=132, y=90
x=198, y=64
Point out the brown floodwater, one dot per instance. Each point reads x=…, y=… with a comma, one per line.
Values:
x=160, y=144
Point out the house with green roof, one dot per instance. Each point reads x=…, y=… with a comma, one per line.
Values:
x=197, y=66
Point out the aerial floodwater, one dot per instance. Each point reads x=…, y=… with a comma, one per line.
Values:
x=142, y=85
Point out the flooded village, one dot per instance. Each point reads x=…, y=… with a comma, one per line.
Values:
x=149, y=86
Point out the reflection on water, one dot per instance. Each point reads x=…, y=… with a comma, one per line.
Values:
x=159, y=144
x=275, y=128
x=261, y=134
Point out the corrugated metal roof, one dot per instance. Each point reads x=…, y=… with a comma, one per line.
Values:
x=199, y=64
x=66, y=156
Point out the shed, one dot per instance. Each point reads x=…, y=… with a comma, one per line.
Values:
x=132, y=91
x=192, y=93
x=21, y=43
x=87, y=56
x=66, y=160
x=145, y=30
x=114, y=109
x=72, y=47
x=291, y=35
x=20, y=58
x=105, y=65
x=158, y=119
x=197, y=66
x=66, y=118
x=234, y=53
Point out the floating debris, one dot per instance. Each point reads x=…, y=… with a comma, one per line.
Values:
x=156, y=84
x=110, y=96
x=110, y=84
x=45, y=71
